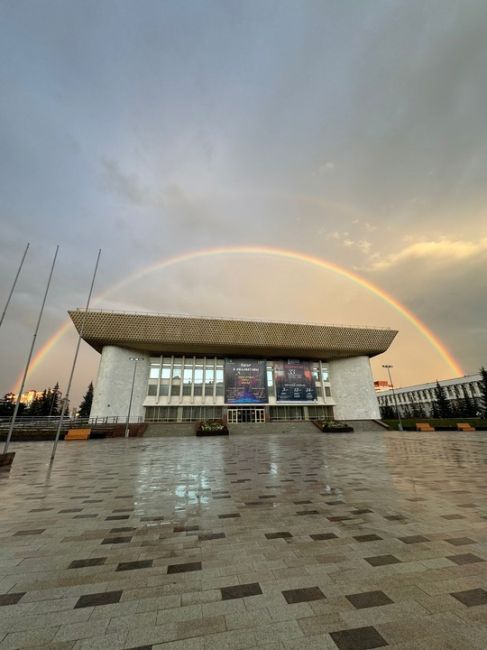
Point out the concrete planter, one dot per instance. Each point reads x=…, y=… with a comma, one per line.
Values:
x=221, y=432
x=6, y=460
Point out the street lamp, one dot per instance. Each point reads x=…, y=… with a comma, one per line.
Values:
x=388, y=367
x=131, y=395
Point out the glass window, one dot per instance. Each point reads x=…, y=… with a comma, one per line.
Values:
x=166, y=372
x=154, y=372
x=176, y=372
x=175, y=390
x=327, y=391
x=198, y=375
x=186, y=389
x=269, y=378
x=324, y=373
x=188, y=375
x=152, y=389
x=209, y=376
x=315, y=369
x=164, y=389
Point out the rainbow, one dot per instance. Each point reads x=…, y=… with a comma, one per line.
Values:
x=316, y=262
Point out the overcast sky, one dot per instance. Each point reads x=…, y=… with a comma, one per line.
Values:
x=348, y=130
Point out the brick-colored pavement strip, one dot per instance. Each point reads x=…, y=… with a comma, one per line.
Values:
x=268, y=541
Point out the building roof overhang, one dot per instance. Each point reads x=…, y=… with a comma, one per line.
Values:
x=158, y=334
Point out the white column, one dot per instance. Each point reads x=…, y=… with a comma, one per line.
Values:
x=352, y=388
x=112, y=390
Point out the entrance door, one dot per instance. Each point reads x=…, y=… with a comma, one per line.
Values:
x=246, y=415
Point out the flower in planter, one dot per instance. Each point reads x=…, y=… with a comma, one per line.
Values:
x=212, y=426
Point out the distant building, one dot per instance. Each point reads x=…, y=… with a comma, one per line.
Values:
x=381, y=384
x=27, y=398
x=417, y=401
x=181, y=368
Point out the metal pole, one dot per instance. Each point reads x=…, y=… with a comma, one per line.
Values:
x=399, y=424
x=17, y=404
x=65, y=400
x=13, y=285
x=131, y=396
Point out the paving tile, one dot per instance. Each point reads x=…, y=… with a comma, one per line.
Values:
x=184, y=568
x=465, y=558
x=318, y=537
x=284, y=535
x=102, y=598
x=92, y=561
x=360, y=638
x=367, y=538
x=11, y=598
x=460, y=541
x=382, y=560
x=413, y=539
x=241, y=591
x=471, y=597
x=205, y=537
x=302, y=595
x=131, y=566
x=369, y=599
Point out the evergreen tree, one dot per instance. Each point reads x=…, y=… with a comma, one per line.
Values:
x=435, y=409
x=387, y=412
x=36, y=406
x=7, y=406
x=418, y=410
x=54, y=407
x=442, y=402
x=483, y=391
x=85, y=406
x=468, y=408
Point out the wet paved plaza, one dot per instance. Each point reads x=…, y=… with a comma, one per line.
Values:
x=350, y=541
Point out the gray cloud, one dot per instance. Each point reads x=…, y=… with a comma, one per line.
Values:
x=156, y=128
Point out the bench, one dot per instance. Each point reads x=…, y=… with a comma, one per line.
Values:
x=464, y=426
x=425, y=427
x=78, y=434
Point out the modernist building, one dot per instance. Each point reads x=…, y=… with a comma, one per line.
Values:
x=417, y=401
x=179, y=368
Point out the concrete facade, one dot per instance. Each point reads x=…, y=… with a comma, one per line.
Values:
x=353, y=389
x=417, y=400
x=180, y=377
x=114, y=383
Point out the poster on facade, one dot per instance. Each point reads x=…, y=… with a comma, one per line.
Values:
x=245, y=381
x=294, y=381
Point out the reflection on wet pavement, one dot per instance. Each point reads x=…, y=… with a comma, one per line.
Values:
x=319, y=541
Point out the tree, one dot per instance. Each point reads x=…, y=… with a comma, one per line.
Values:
x=387, y=412
x=418, y=410
x=54, y=408
x=442, y=403
x=468, y=408
x=483, y=391
x=85, y=406
x=7, y=405
x=37, y=406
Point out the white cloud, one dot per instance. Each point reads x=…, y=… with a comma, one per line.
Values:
x=441, y=250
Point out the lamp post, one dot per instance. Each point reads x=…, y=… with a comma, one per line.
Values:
x=131, y=395
x=388, y=367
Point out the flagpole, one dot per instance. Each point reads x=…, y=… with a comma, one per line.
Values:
x=17, y=403
x=13, y=285
x=65, y=401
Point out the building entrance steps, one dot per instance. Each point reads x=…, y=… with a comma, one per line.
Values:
x=366, y=425
x=285, y=426
x=170, y=429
